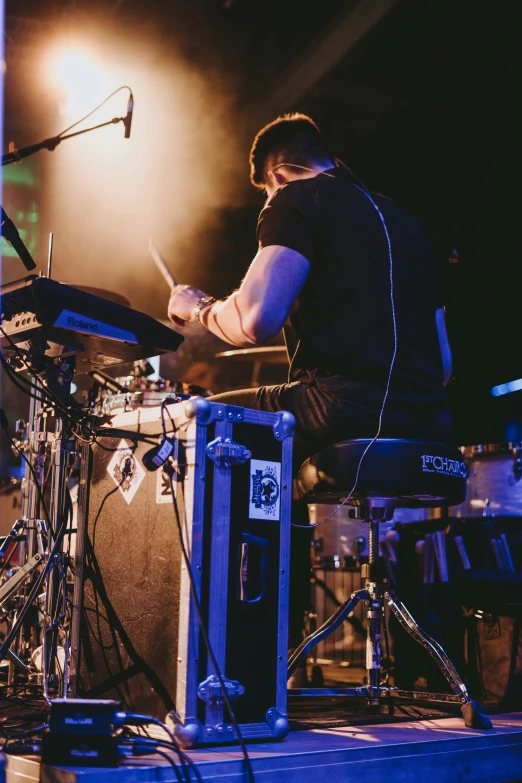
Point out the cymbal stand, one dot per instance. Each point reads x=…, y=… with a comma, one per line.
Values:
x=34, y=444
x=42, y=552
x=63, y=454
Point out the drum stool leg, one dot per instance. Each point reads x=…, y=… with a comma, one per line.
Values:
x=375, y=594
x=473, y=713
x=331, y=625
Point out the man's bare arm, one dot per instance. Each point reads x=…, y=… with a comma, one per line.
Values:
x=258, y=309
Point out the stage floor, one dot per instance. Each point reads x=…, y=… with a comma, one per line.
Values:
x=434, y=751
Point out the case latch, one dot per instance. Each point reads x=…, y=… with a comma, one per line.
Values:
x=225, y=452
x=210, y=691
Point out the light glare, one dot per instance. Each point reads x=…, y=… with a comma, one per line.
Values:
x=82, y=81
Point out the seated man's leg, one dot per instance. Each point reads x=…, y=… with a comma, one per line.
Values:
x=304, y=400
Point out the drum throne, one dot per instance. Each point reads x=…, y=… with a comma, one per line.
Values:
x=393, y=474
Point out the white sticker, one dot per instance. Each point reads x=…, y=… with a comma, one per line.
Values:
x=265, y=489
x=163, y=485
x=126, y=472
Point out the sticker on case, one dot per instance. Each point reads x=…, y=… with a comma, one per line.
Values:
x=164, y=486
x=126, y=471
x=265, y=489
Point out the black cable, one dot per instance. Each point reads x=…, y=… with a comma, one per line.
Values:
x=152, y=743
x=6, y=644
x=47, y=397
x=44, y=390
x=145, y=719
x=58, y=622
x=143, y=746
x=29, y=732
x=192, y=766
x=123, y=87
x=248, y=765
x=163, y=425
x=166, y=403
x=150, y=441
x=171, y=762
x=52, y=397
x=17, y=380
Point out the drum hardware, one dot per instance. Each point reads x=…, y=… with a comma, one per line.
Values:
x=391, y=539
x=46, y=441
x=338, y=551
x=461, y=549
x=502, y=553
x=44, y=325
x=19, y=577
x=105, y=382
x=426, y=552
x=439, y=545
x=109, y=403
x=266, y=354
x=493, y=485
x=108, y=396
x=432, y=552
x=343, y=542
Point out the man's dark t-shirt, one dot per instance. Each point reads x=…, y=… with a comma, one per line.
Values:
x=341, y=324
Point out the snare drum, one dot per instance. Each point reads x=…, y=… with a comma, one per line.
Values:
x=494, y=483
x=111, y=403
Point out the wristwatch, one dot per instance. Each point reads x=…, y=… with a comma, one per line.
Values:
x=201, y=303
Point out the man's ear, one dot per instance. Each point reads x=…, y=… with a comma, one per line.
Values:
x=278, y=178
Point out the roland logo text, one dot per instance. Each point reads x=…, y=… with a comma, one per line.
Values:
x=78, y=323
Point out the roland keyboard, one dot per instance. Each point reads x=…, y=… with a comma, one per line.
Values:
x=72, y=322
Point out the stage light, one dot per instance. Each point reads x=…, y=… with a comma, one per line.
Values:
x=506, y=388
x=81, y=79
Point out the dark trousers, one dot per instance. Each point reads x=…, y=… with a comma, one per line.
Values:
x=328, y=410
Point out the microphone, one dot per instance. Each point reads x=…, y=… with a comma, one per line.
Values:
x=157, y=456
x=106, y=382
x=128, y=117
x=10, y=233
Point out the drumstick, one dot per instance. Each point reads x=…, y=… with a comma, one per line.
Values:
x=162, y=266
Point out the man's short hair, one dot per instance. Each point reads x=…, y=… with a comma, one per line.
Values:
x=291, y=138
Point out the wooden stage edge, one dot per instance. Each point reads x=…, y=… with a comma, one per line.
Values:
x=433, y=751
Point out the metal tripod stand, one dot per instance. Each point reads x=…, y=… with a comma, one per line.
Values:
x=375, y=594
x=36, y=619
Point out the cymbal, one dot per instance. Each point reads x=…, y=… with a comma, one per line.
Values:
x=267, y=354
x=103, y=294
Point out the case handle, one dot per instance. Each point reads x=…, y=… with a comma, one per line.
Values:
x=245, y=576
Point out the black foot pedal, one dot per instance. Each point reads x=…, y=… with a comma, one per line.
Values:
x=474, y=716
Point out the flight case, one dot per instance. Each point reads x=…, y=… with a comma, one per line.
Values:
x=135, y=630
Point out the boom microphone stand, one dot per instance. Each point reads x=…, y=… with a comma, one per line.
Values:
x=15, y=156
x=8, y=228
x=44, y=562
